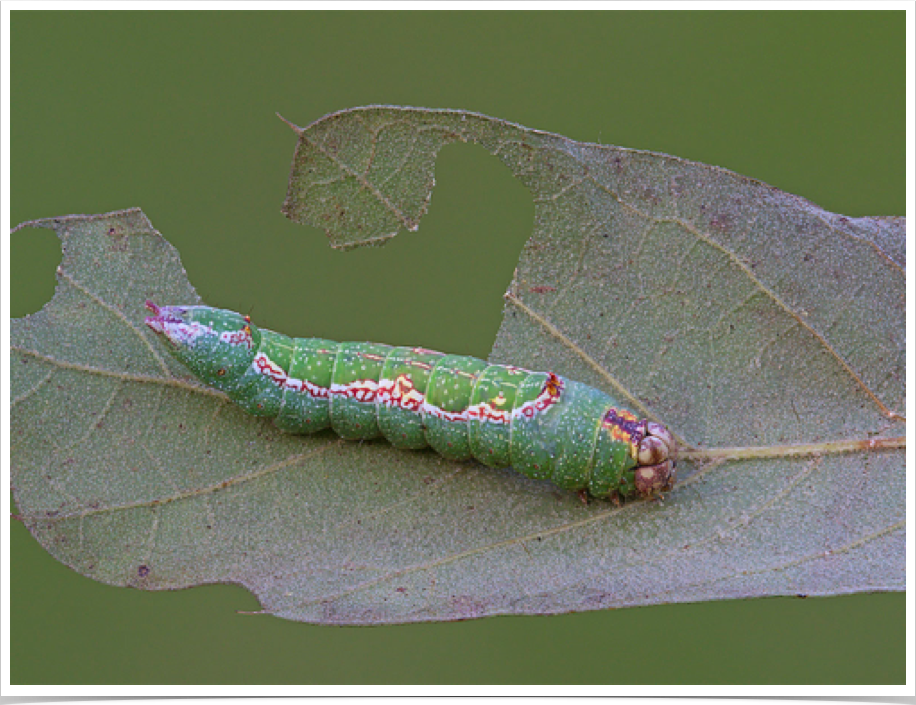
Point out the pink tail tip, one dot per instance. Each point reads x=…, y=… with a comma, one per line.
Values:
x=152, y=307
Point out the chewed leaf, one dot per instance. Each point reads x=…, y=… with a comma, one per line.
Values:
x=767, y=334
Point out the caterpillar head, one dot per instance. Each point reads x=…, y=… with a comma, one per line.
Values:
x=656, y=459
x=216, y=345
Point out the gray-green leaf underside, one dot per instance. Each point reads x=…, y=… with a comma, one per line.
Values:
x=766, y=332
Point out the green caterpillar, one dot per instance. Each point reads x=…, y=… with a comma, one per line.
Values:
x=541, y=424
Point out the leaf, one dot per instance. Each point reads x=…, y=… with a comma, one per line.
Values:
x=766, y=332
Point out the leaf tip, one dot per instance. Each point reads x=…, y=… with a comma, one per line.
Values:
x=294, y=128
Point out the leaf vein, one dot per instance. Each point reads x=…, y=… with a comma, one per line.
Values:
x=395, y=211
x=691, y=228
x=34, y=390
x=120, y=314
x=124, y=376
x=585, y=357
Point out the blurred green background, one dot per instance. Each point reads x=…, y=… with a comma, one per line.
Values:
x=174, y=112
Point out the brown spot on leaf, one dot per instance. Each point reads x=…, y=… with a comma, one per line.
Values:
x=721, y=222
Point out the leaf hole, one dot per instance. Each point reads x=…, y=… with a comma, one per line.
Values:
x=35, y=255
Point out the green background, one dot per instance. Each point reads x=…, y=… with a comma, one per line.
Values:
x=174, y=112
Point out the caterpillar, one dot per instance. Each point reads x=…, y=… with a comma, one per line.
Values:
x=541, y=424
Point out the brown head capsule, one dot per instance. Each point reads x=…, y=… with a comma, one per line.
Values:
x=657, y=460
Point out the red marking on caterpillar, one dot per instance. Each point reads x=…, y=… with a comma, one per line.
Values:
x=310, y=388
x=400, y=392
x=239, y=337
x=372, y=356
x=548, y=396
x=267, y=367
x=487, y=412
x=453, y=416
x=363, y=390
